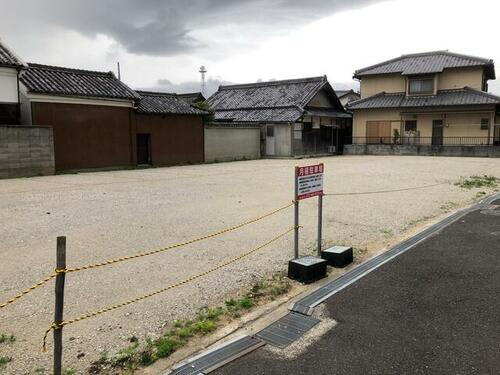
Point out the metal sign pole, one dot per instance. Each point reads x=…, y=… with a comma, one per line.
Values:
x=296, y=218
x=320, y=222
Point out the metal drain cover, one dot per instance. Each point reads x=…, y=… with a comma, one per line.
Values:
x=287, y=330
x=218, y=357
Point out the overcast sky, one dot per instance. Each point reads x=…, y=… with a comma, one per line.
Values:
x=162, y=43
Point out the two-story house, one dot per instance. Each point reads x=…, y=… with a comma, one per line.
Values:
x=433, y=98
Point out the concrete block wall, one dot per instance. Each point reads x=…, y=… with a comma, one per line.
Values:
x=226, y=143
x=423, y=150
x=26, y=151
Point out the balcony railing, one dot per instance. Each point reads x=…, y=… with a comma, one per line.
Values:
x=427, y=141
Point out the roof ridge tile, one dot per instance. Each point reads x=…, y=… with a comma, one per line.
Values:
x=272, y=83
x=68, y=70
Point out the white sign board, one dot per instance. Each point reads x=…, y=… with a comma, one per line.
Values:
x=309, y=181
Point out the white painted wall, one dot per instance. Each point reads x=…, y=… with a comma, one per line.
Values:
x=8, y=85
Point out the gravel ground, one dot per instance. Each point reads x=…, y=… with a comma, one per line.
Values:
x=110, y=214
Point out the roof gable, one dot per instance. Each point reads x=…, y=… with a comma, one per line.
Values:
x=427, y=63
x=165, y=103
x=192, y=97
x=52, y=80
x=342, y=93
x=8, y=58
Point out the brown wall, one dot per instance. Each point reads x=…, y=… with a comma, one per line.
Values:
x=87, y=136
x=175, y=139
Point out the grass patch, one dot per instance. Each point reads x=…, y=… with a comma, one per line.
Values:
x=4, y=361
x=7, y=339
x=207, y=320
x=484, y=181
x=164, y=347
x=448, y=206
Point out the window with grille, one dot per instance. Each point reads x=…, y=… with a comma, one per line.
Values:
x=485, y=123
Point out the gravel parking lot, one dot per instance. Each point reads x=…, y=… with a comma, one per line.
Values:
x=110, y=214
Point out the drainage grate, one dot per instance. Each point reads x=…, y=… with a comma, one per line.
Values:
x=218, y=357
x=287, y=330
x=494, y=199
x=306, y=304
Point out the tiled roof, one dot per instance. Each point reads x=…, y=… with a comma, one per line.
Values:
x=429, y=62
x=280, y=101
x=466, y=96
x=285, y=114
x=192, y=97
x=163, y=103
x=341, y=93
x=52, y=80
x=9, y=58
x=326, y=112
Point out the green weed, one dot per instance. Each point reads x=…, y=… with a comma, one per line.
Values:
x=4, y=361
x=7, y=339
x=478, y=182
x=166, y=346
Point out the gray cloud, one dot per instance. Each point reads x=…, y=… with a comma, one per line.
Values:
x=167, y=28
x=165, y=85
x=212, y=85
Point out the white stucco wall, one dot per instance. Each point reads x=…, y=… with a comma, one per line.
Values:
x=227, y=143
x=8, y=85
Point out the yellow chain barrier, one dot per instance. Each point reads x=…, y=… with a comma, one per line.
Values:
x=30, y=289
x=172, y=286
x=386, y=191
x=152, y=252
x=180, y=244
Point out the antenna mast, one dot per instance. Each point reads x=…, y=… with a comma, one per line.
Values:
x=203, y=71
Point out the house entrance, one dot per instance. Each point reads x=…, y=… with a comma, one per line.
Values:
x=437, y=132
x=143, y=149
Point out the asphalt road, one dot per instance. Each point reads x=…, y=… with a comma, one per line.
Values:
x=433, y=310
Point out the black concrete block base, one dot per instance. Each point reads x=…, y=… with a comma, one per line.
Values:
x=338, y=256
x=307, y=269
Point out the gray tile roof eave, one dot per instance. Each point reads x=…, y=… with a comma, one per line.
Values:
x=156, y=103
x=399, y=100
x=68, y=82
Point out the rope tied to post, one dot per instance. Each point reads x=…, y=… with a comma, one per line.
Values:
x=55, y=326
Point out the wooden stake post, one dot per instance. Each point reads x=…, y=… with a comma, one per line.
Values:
x=59, y=303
